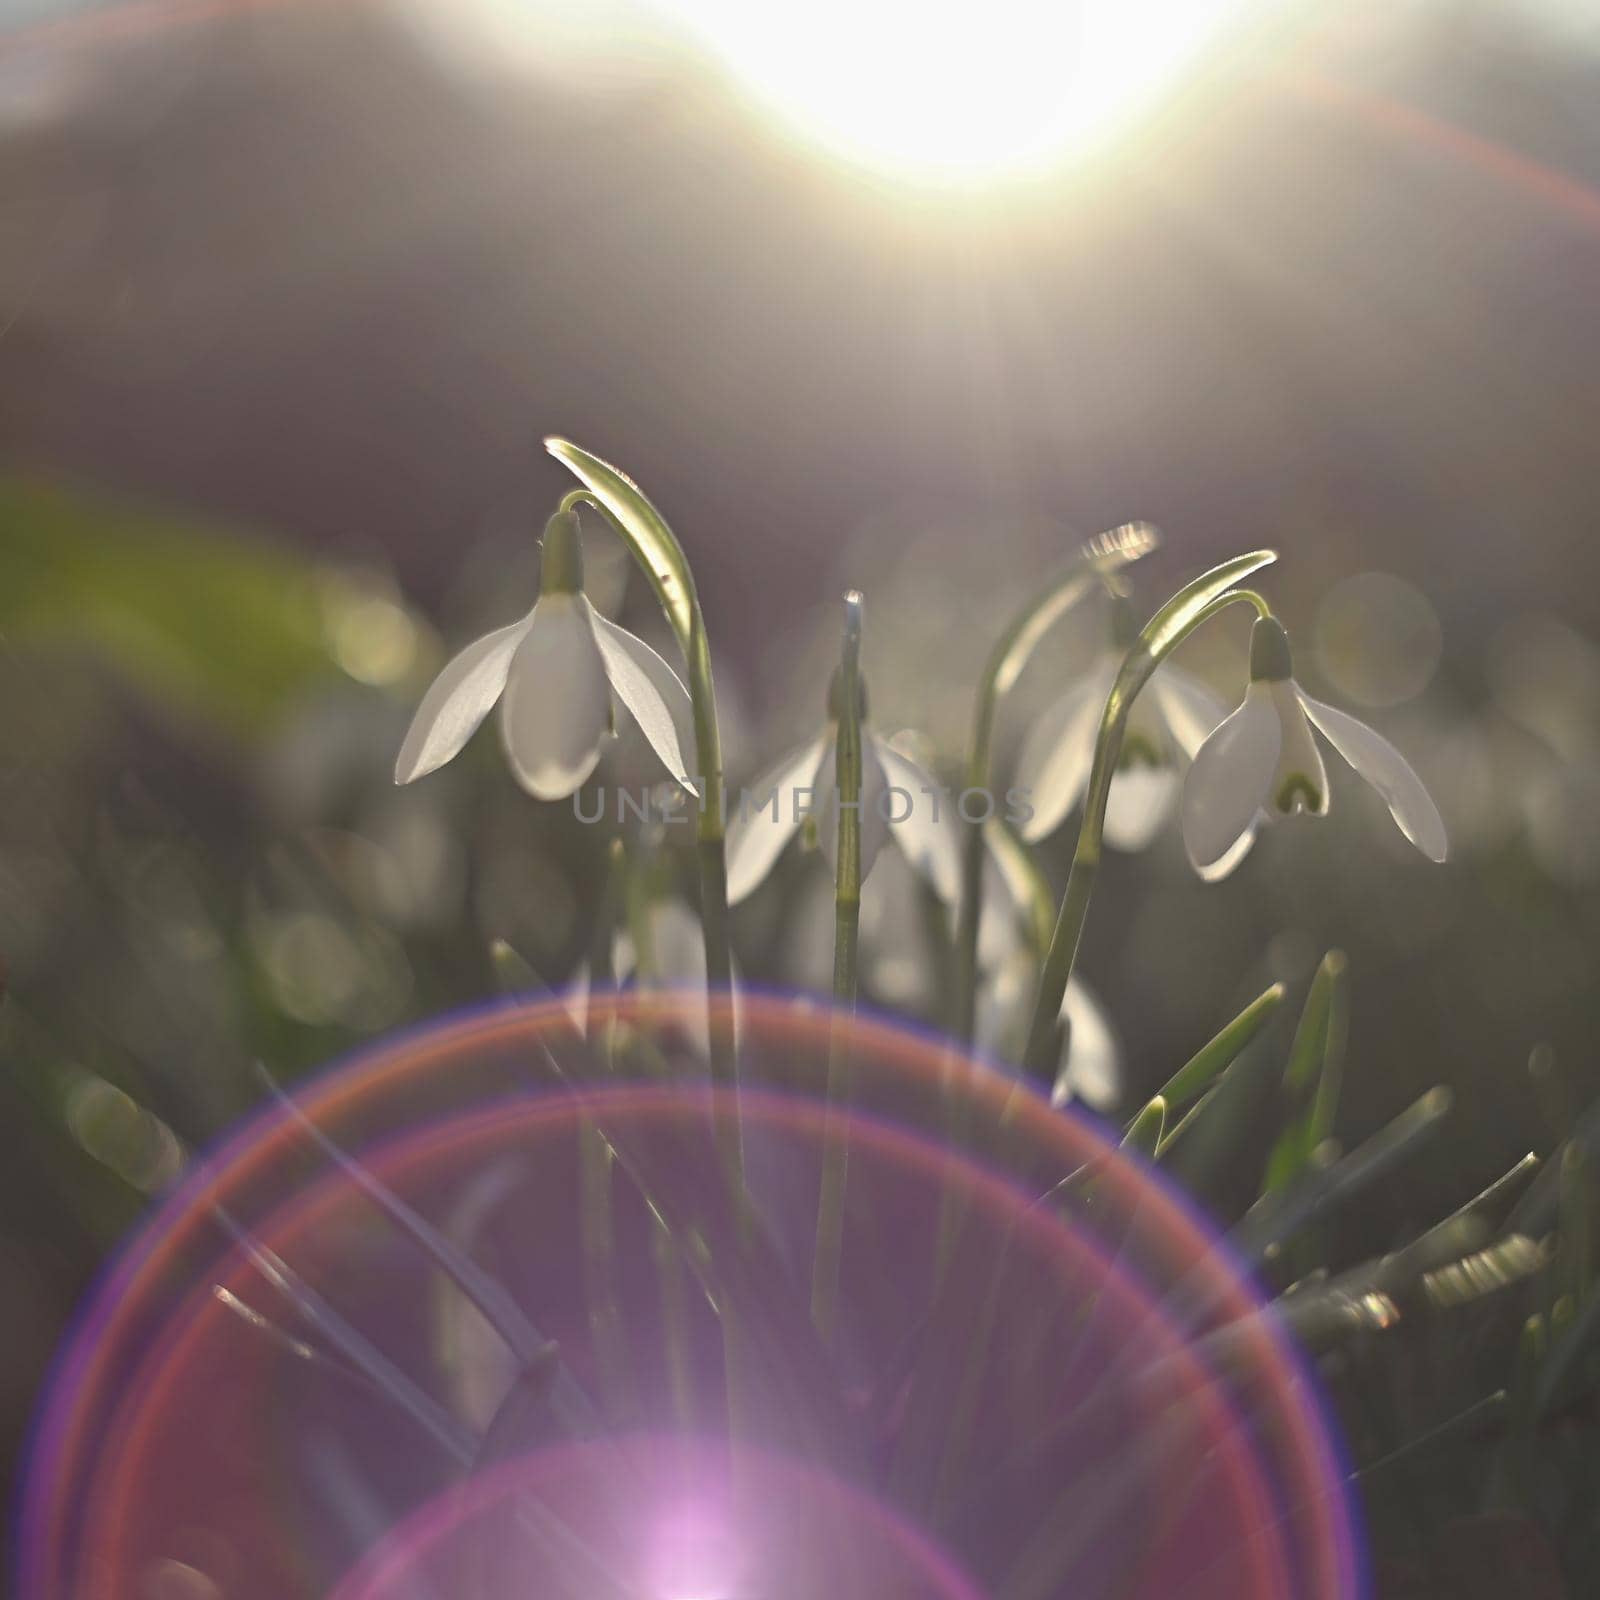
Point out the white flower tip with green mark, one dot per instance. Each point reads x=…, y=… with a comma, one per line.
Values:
x=1263, y=762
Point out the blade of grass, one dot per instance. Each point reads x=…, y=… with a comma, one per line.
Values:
x=1219, y=1129
x=382, y=1373
x=1196, y=1075
x=503, y=1314
x=1311, y=1080
x=1280, y=1214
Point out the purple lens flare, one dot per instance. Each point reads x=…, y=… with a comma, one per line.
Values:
x=1015, y=1400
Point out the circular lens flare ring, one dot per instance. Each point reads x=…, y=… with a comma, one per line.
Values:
x=906, y=1072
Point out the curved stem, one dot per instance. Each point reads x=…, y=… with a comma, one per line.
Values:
x=1165, y=632
x=661, y=559
x=1098, y=562
x=708, y=758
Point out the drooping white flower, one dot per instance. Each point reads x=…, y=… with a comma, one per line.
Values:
x=899, y=801
x=1263, y=762
x=559, y=675
x=1167, y=724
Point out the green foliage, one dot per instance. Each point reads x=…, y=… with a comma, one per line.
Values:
x=216, y=624
x=1311, y=1079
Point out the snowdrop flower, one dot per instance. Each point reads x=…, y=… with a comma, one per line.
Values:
x=559, y=675
x=1263, y=762
x=1170, y=720
x=899, y=801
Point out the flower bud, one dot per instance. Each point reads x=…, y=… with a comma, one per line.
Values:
x=561, y=566
x=1270, y=658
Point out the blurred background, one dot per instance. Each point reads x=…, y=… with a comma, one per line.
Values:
x=290, y=291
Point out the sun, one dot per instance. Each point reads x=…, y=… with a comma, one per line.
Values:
x=951, y=92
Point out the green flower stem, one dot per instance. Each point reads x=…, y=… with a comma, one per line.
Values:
x=847, y=926
x=660, y=557
x=1097, y=563
x=1190, y=609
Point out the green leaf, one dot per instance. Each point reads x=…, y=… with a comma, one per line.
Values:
x=223, y=626
x=1145, y=1131
x=1181, y=612
x=354, y=1346
x=1574, y=1227
x=1221, y=1126
x=1196, y=1074
x=1314, y=1072
x=492, y=1299
x=1320, y=1191
x=644, y=530
x=512, y=971
x=1487, y=1271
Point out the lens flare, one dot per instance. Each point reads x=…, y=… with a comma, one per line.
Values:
x=278, y=1392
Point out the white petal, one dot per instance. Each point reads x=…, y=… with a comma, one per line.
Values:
x=557, y=705
x=1092, y=1069
x=1141, y=799
x=896, y=957
x=457, y=701
x=1192, y=710
x=1225, y=863
x=654, y=695
x=1004, y=1000
x=677, y=944
x=764, y=816
x=575, y=997
x=1299, y=760
x=1059, y=750
x=1002, y=912
x=1387, y=771
x=923, y=824
x=1230, y=780
x=873, y=805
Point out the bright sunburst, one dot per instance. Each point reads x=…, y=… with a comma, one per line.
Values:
x=947, y=90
